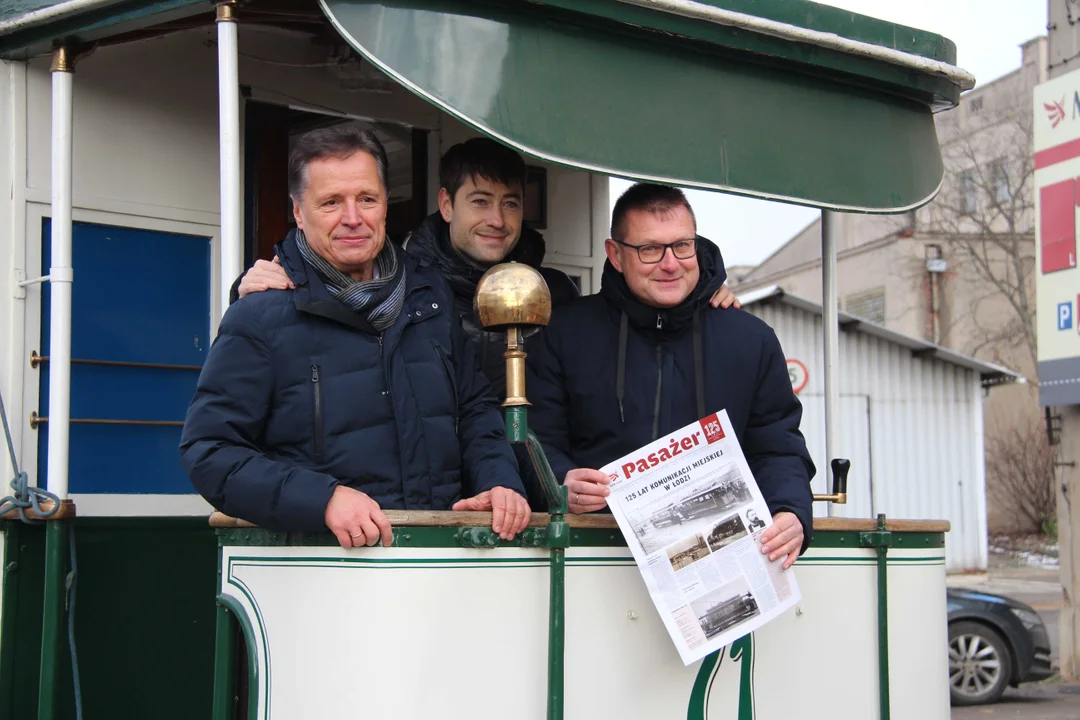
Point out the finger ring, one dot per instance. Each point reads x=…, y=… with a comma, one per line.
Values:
x=359, y=534
x=577, y=498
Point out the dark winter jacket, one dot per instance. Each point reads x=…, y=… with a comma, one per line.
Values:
x=431, y=245
x=299, y=395
x=611, y=374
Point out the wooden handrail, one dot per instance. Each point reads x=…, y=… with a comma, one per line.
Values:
x=433, y=518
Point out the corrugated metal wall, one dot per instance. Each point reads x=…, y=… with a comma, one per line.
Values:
x=912, y=428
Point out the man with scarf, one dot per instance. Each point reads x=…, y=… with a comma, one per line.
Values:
x=480, y=223
x=614, y=371
x=354, y=391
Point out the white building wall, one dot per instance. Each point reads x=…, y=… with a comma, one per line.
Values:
x=920, y=455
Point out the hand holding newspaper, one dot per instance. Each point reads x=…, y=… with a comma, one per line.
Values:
x=693, y=515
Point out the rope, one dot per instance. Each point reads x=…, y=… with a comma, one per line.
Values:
x=24, y=496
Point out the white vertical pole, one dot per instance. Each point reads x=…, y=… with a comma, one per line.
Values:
x=232, y=251
x=60, y=276
x=830, y=232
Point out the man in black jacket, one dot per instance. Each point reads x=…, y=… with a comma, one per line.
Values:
x=480, y=223
x=614, y=371
x=355, y=390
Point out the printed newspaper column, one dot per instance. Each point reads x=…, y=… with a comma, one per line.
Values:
x=693, y=515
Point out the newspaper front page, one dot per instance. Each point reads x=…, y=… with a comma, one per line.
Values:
x=693, y=515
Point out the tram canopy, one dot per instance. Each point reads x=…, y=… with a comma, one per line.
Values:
x=790, y=101
x=780, y=99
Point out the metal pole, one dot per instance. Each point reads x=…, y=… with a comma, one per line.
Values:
x=830, y=231
x=232, y=251
x=224, y=698
x=60, y=276
x=60, y=279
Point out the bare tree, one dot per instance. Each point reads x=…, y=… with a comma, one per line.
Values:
x=1020, y=474
x=984, y=218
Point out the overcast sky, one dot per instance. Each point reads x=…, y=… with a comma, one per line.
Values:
x=988, y=35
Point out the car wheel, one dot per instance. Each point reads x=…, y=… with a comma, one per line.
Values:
x=980, y=664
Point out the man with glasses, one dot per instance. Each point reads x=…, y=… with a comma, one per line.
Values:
x=614, y=371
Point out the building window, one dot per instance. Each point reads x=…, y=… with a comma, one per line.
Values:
x=970, y=188
x=999, y=182
x=868, y=305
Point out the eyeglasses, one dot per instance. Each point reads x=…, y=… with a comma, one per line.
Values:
x=654, y=252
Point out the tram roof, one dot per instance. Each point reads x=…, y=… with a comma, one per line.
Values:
x=786, y=100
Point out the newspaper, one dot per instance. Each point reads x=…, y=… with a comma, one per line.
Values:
x=693, y=515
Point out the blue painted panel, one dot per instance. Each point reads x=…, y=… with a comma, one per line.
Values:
x=138, y=296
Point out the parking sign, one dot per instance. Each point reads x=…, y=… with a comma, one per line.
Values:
x=1064, y=316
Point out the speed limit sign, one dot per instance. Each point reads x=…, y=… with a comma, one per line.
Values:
x=798, y=375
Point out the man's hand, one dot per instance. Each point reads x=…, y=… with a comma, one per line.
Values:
x=588, y=490
x=510, y=512
x=783, y=537
x=721, y=298
x=265, y=275
x=355, y=519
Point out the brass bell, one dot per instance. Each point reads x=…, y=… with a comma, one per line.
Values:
x=515, y=298
x=512, y=294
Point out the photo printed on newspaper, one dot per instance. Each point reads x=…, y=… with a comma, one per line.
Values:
x=693, y=515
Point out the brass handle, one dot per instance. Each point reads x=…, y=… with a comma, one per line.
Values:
x=840, y=469
x=36, y=360
x=839, y=498
x=36, y=420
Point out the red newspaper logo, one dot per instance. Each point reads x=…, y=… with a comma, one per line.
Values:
x=713, y=430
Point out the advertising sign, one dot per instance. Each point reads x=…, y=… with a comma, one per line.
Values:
x=1057, y=278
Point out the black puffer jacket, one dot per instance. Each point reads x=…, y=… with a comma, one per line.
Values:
x=611, y=374
x=299, y=395
x=430, y=244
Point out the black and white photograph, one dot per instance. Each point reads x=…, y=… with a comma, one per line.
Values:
x=726, y=532
x=725, y=607
x=687, y=552
x=753, y=522
x=661, y=524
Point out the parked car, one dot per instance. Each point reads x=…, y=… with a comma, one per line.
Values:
x=994, y=642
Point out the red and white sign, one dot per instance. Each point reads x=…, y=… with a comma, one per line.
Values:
x=798, y=374
x=1056, y=116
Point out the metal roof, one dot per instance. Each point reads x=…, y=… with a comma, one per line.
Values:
x=991, y=374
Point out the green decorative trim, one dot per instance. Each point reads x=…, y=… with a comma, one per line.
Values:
x=699, y=695
x=233, y=606
x=901, y=541
x=448, y=537
x=253, y=689
x=434, y=562
x=743, y=649
x=703, y=36
x=414, y=537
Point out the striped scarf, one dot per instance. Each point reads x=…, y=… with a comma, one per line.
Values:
x=379, y=300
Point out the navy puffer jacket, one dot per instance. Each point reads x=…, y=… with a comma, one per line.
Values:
x=611, y=374
x=299, y=395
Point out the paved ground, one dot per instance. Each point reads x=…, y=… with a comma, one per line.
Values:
x=1039, y=588
x=1029, y=702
